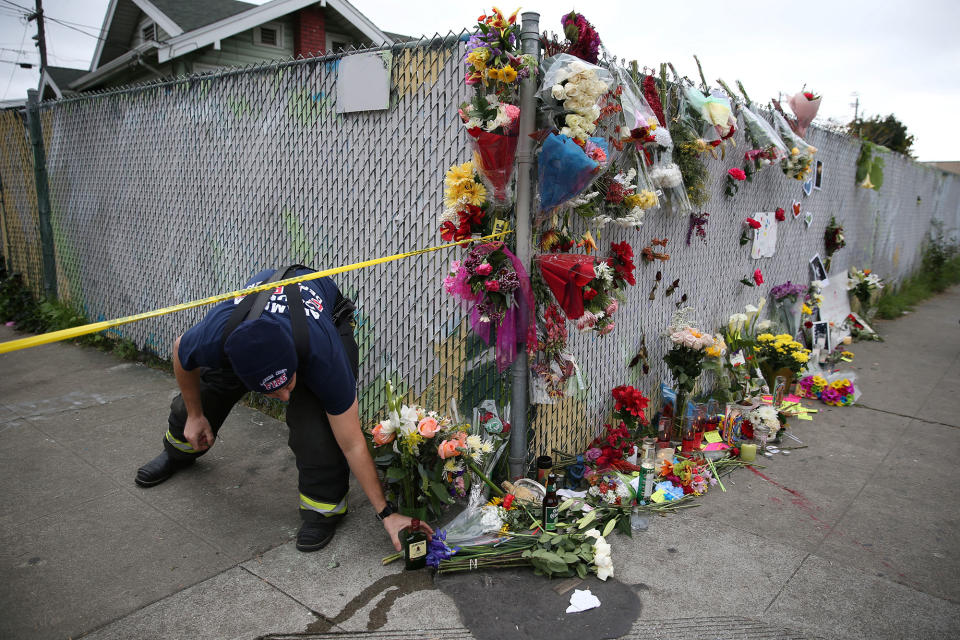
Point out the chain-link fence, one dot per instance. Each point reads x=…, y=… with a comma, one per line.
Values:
x=171, y=192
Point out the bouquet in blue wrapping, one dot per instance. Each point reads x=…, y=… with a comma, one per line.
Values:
x=566, y=168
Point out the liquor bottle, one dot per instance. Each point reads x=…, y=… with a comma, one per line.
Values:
x=414, y=544
x=551, y=503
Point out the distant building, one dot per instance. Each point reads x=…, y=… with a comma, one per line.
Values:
x=148, y=40
x=949, y=167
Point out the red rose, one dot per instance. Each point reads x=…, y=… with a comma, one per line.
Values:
x=758, y=277
x=808, y=324
x=492, y=285
x=808, y=95
x=589, y=294
x=754, y=223
x=737, y=174
x=781, y=216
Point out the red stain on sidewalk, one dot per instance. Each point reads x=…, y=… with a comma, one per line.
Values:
x=797, y=499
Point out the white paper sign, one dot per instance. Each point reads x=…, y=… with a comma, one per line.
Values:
x=363, y=82
x=836, y=307
x=764, y=238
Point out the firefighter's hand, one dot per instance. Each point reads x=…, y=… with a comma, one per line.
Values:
x=198, y=433
x=395, y=523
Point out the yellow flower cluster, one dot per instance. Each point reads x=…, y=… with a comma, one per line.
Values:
x=645, y=199
x=506, y=75
x=840, y=385
x=782, y=346
x=462, y=187
x=478, y=58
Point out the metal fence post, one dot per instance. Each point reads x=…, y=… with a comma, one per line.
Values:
x=43, y=194
x=520, y=397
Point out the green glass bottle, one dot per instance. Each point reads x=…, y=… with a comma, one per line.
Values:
x=414, y=544
x=551, y=504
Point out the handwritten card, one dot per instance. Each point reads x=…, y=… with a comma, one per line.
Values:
x=712, y=437
x=764, y=238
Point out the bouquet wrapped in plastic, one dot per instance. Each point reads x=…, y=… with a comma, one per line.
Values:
x=716, y=113
x=620, y=197
x=496, y=285
x=767, y=146
x=573, y=157
x=836, y=389
x=799, y=162
x=805, y=106
x=566, y=168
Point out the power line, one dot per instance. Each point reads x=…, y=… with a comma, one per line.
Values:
x=69, y=26
x=22, y=8
x=10, y=81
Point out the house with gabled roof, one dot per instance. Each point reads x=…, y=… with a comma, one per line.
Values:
x=149, y=40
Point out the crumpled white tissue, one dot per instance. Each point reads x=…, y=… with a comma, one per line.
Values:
x=581, y=600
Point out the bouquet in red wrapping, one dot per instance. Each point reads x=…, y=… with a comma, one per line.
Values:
x=589, y=290
x=493, y=127
x=495, y=68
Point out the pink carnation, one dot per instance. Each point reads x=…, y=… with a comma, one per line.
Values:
x=612, y=307
x=737, y=174
x=484, y=269
x=492, y=285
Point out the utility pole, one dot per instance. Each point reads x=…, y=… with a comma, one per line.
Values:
x=41, y=36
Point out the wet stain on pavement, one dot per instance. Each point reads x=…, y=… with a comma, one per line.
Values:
x=393, y=587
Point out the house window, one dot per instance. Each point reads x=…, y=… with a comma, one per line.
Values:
x=269, y=35
x=149, y=32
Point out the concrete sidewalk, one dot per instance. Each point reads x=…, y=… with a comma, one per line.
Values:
x=852, y=537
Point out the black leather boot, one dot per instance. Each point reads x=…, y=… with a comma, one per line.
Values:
x=316, y=531
x=159, y=469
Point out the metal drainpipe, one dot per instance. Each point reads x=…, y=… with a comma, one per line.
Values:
x=520, y=397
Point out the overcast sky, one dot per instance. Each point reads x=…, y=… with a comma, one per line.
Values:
x=901, y=58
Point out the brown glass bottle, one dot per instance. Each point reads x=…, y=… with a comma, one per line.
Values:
x=414, y=544
x=550, y=504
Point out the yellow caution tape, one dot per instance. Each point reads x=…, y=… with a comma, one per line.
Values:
x=74, y=332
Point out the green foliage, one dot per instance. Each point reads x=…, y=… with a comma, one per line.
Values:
x=561, y=555
x=940, y=268
x=870, y=164
x=886, y=131
x=687, y=157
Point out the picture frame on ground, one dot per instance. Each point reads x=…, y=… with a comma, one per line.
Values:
x=818, y=176
x=820, y=336
x=818, y=270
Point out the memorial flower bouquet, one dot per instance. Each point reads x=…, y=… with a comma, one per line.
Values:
x=864, y=285
x=805, y=106
x=780, y=355
x=405, y=449
x=833, y=240
x=686, y=355
x=619, y=198
x=571, y=157
x=495, y=67
x=464, y=203
x=494, y=282
x=602, y=294
x=550, y=365
x=799, y=163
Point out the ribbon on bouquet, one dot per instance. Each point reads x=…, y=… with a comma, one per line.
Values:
x=74, y=332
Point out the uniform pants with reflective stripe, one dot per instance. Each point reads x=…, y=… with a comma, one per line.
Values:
x=323, y=470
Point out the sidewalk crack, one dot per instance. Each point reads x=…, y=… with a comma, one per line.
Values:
x=786, y=582
x=903, y=415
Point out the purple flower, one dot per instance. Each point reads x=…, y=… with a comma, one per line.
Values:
x=788, y=290
x=438, y=550
x=593, y=454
